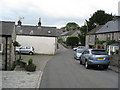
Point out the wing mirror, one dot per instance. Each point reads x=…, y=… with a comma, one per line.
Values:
x=74, y=49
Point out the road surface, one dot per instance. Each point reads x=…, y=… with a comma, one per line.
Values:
x=63, y=71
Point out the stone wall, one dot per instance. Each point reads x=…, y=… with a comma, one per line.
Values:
x=10, y=53
x=115, y=59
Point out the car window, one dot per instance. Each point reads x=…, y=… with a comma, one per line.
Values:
x=86, y=52
x=80, y=51
x=99, y=52
x=27, y=47
x=22, y=48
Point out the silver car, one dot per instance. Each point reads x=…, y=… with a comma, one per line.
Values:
x=25, y=50
x=78, y=53
x=96, y=57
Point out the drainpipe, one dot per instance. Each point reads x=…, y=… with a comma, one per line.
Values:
x=6, y=53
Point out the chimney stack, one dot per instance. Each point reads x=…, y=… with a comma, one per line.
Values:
x=39, y=23
x=19, y=22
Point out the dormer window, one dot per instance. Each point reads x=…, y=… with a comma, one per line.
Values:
x=49, y=32
x=39, y=27
x=31, y=32
x=20, y=31
x=18, y=26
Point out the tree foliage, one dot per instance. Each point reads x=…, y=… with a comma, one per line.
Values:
x=71, y=26
x=16, y=44
x=98, y=18
x=82, y=39
x=72, y=41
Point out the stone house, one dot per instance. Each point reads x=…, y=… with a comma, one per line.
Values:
x=42, y=38
x=64, y=35
x=91, y=37
x=7, y=37
x=110, y=31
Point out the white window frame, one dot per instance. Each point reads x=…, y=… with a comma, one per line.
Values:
x=1, y=48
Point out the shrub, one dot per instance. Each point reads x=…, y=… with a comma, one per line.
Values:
x=30, y=61
x=15, y=43
x=110, y=42
x=117, y=52
x=30, y=67
x=100, y=41
x=82, y=39
x=72, y=41
x=111, y=52
x=61, y=40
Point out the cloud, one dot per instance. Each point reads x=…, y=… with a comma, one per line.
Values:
x=54, y=12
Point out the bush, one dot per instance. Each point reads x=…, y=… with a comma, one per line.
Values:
x=61, y=40
x=82, y=40
x=109, y=42
x=117, y=52
x=30, y=61
x=72, y=41
x=15, y=43
x=111, y=52
x=100, y=41
x=30, y=67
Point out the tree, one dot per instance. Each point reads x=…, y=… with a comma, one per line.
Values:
x=72, y=41
x=81, y=36
x=82, y=39
x=72, y=26
x=98, y=18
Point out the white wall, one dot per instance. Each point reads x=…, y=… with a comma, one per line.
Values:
x=42, y=45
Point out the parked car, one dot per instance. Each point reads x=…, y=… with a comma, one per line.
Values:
x=78, y=53
x=79, y=47
x=96, y=57
x=25, y=50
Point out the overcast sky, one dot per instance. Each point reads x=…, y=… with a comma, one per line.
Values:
x=54, y=12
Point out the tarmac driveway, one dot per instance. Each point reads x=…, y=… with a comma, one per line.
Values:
x=39, y=60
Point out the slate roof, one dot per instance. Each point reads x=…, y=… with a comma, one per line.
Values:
x=93, y=31
x=111, y=26
x=6, y=28
x=68, y=33
x=36, y=31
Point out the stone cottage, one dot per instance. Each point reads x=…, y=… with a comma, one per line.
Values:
x=7, y=37
x=42, y=38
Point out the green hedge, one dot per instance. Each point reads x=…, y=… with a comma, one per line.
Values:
x=72, y=41
x=103, y=41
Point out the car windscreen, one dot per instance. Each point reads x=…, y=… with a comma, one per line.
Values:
x=80, y=51
x=99, y=52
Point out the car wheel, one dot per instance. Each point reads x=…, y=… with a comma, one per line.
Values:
x=30, y=53
x=17, y=52
x=105, y=67
x=86, y=65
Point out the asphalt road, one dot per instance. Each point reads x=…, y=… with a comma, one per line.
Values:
x=63, y=71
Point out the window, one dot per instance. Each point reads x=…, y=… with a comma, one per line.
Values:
x=27, y=47
x=0, y=47
x=99, y=52
x=23, y=48
x=86, y=52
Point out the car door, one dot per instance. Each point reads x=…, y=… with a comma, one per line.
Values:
x=85, y=55
x=75, y=51
x=22, y=49
x=27, y=49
